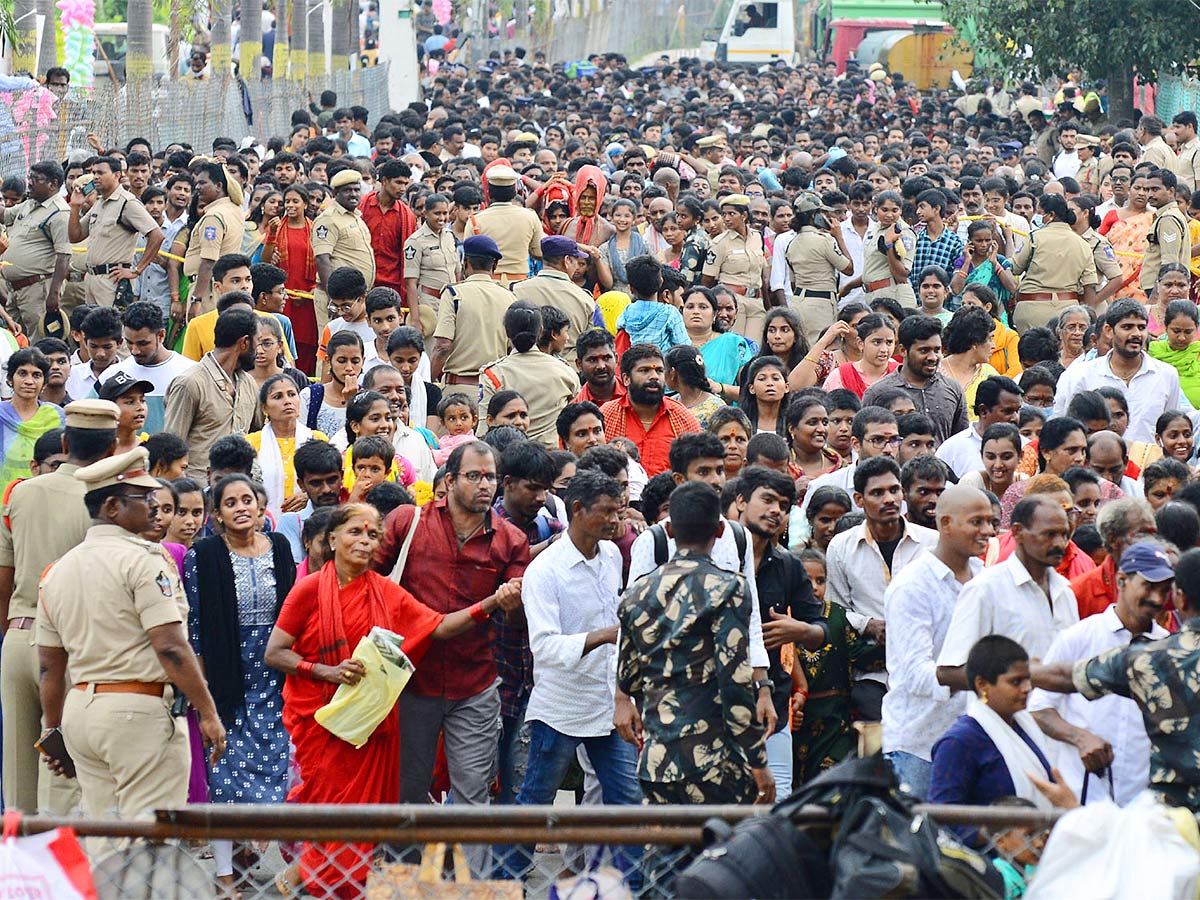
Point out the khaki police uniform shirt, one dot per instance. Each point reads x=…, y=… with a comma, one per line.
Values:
x=1159, y=153
x=219, y=231
x=1188, y=163
x=1167, y=242
x=1089, y=176
x=875, y=261
x=132, y=587
x=1103, y=255
x=471, y=315
x=110, y=241
x=43, y=519
x=815, y=261
x=203, y=405
x=1055, y=259
x=431, y=258
x=546, y=382
x=345, y=237
x=516, y=230
x=37, y=233
x=736, y=260
x=553, y=288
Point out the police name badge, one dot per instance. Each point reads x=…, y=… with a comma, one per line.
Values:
x=321, y=232
x=210, y=232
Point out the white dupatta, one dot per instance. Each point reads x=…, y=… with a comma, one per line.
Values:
x=1019, y=758
x=270, y=462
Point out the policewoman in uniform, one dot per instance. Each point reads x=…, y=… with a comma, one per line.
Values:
x=39, y=251
x=42, y=519
x=546, y=382
x=430, y=263
x=737, y=259
x=125, y=644
x=888, y=256
x=340, y=237
x=1055, y=266
x=219, y=232
x=470, y=327
x=1103, y=255
x=517, y=231
x=815, y=257
x=111, y=228
x=555, y=286
x=1088, y=175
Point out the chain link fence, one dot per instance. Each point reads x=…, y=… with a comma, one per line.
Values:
x=468, y=853
x=34, y=127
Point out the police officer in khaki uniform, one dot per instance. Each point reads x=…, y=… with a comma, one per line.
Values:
x=517, y=231
x=42, y=519
x=219, y=231
x=1168, y=240
x=470, y=327
x=1089, y=175
x=1055, y=266
x=39, y=251
x=340, y=237
x=815, y=257
x=737, y=259
x=430, y=262
x=546, y=382
x=1105, y=259
x=554, y=286
x=888, y=260
x=111, y=227
x=125, y=644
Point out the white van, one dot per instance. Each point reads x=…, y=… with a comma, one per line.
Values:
x=111, y=36
x=755, y=32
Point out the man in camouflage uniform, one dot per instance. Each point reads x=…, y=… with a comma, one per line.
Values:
x=684, y=657
x=1158, y=675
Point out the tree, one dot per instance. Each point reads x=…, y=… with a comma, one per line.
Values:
x=48, y=52
x=1111, y=39
x=139, y=61
x=220, y=63
x=250, y=41
x=24, y=48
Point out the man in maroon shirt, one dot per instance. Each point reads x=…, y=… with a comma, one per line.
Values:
x=461, y=553
x=390, y=221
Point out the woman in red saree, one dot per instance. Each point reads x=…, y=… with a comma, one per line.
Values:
x=322, y=621
x=288, y=244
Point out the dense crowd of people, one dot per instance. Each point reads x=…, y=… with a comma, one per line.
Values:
x=693, y=425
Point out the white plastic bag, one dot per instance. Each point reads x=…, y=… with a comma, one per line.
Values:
x=47, y=866
x=356, y=710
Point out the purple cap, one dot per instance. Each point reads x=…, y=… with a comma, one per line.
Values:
x=557, y=246
x=1148, y=560
x=481, y=245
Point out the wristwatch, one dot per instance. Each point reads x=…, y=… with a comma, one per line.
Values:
x=765, y=683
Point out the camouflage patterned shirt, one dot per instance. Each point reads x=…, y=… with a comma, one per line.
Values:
x=1163, y=677
x=684, y=656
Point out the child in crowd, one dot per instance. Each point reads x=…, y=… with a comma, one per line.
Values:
x=168, y=455
x=459, y=415
x=314, y=541
x=348, y=298
x=372, y=461
x=406, y=353
x=383, y=317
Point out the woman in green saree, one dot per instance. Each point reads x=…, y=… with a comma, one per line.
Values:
x=24, y=418
x=724, y=354
x=1179, y=348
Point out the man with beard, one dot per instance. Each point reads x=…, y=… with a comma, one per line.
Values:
x=918, y=603
x=790, y=612
x=1150, y=387
x=645, y=415
x=932, y=393
x=219, y=396
x=923, y=479
x=862, y=560
x=596, y=360
x=1022, y=598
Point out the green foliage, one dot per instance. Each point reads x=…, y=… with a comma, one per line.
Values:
x=1103, y=37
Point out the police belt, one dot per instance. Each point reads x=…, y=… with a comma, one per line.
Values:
x=808, y=292
x=742, y=290
x=106, y=268
x=149, y=688
x=878, y=285
x=432, y=292
x=1049, y=295
x=18, y=283
x=460, y=379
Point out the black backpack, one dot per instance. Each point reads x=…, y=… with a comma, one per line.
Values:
x=662, y=551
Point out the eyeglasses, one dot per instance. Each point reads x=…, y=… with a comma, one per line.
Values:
x=476, y=477
x=267, y=345
x=880, y=442
x=140, y=497
x=341, y=307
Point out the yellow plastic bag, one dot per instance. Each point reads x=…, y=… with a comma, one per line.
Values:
x=356, y=710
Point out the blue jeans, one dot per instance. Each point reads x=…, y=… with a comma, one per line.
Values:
x=550, y=755
x=912, y=772
x=513, y=756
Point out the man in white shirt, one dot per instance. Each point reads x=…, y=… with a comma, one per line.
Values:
x=570, y=594
x=857, y=229
x=1066, y=163
x=1151, y=387
x=862, y=561
x=149, y=359
x=1108, y=731
x=1023, y=598
x=997, y=399
x=918, y=603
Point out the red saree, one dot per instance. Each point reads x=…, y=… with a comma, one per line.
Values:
x=328, y=621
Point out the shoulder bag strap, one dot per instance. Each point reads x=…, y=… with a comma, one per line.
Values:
x=402, y=559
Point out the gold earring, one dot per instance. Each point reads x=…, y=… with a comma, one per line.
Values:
x=984, y=698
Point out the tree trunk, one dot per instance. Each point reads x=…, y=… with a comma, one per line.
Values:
x=250, y=42
x=176, y=29
x=340, y=38
x=279, y=61
x=299, y=46
x=24, y=13
x=139, y=61
x=355, y=40
x=221, y=58
x=48, y=53
x=1120, y=92
x=317, y=10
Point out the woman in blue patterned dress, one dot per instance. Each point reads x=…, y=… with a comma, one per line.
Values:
x=236, y=581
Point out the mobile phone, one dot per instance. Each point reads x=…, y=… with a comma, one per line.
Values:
x=53, y=746
x=88, y=188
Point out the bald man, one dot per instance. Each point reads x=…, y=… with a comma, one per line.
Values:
x=1108, y=457
x=918, y=604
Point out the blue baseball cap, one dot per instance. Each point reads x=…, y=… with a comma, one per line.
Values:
x=1148, y=560
x=557, y=246
x=481, y=245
